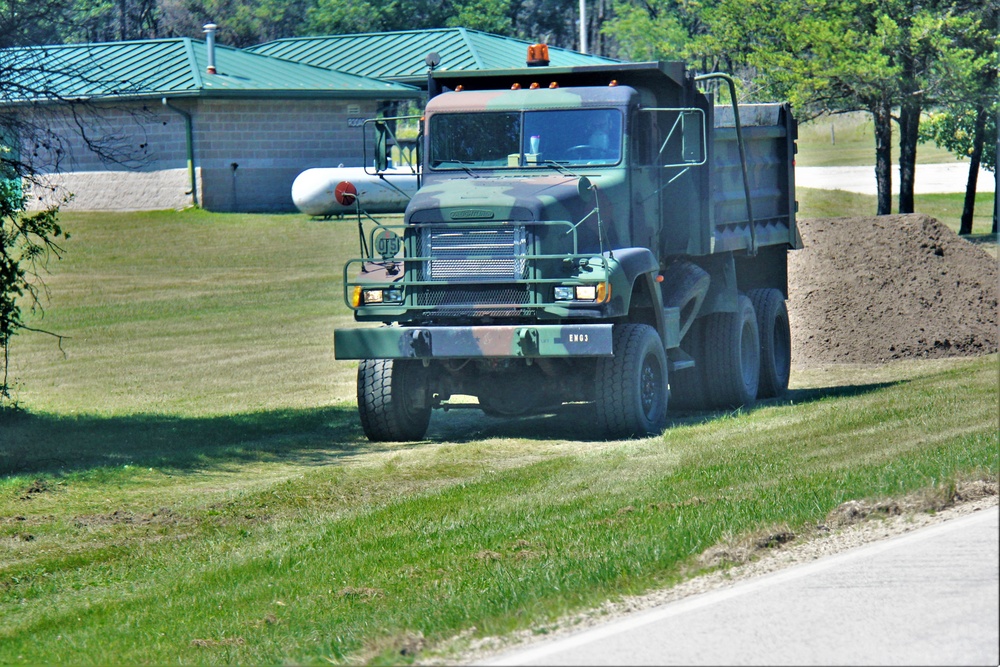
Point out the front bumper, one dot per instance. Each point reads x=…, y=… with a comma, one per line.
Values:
x=438, y=342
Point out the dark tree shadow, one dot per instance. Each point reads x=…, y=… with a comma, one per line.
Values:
x=56, y=444
x=45, y=443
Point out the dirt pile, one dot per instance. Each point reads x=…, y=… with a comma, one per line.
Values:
x=868, y=290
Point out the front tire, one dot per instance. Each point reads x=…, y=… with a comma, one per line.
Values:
x=392, y=400
x=632, y=385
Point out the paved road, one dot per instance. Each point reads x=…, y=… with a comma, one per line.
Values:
x=930, y=178
x=930, y=597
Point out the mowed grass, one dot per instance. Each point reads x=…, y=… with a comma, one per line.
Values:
x=189, y=484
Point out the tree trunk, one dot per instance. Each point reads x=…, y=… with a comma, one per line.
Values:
x=978, y=139
x=909, y=126
x=883, y=155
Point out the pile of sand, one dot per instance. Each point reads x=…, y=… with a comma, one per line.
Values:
x=868, y=290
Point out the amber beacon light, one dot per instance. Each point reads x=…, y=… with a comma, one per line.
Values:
x=538, y=55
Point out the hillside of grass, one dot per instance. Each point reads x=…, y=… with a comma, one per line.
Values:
x=187, y=482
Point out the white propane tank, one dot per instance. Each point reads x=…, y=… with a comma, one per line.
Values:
x=313, y=190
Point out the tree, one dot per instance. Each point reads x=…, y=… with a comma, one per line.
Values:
x=972, y=133
x=27, y=243
x=109, y=20
x=947, y=51
x=648, y=30
x=966, y=122
x=242, y=24
x=485, y=15
x=845, y=55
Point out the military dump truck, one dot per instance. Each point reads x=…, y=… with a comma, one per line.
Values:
x=599, y=234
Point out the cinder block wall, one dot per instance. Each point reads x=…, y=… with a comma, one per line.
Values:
x=247, y=152
x=140, y=161
x=250, y=151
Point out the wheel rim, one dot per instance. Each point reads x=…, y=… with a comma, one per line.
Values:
x=651, y=381
x=405, y=395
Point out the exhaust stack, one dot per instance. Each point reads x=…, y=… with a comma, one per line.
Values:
x=210, y=29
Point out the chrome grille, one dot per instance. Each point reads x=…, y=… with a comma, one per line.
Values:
x=476, y=253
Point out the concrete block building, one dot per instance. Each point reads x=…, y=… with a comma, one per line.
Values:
x=178, y=122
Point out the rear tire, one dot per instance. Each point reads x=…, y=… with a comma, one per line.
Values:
x=775, y=341
x=632, y=385
x=732, y=357
x=392, y=400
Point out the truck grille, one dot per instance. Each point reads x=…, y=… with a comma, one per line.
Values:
x=492, y=253
x=513, y=295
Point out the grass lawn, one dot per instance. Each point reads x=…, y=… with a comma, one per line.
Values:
x=947, y=208
x=845, y=140
x=188, y=482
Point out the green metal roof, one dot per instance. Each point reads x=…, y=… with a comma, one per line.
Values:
x=399, y=56
x=176, y=68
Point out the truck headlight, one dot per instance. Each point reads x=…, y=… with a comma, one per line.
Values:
x=599, y=292
x=564, y=293
x=371, y=296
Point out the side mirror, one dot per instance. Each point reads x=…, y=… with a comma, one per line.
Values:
x=381, y=146
x=692, y=137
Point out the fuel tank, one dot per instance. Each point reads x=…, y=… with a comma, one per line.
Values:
x=313, y=190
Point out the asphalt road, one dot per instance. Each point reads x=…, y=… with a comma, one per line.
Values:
x=930, y=597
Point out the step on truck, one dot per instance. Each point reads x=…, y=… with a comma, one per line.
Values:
x=600, y=234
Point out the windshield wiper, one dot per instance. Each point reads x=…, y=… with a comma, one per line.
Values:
x=559, y=167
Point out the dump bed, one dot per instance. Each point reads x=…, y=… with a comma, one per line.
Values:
x=769, y=134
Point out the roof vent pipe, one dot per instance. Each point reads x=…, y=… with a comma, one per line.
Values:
x=210, y=29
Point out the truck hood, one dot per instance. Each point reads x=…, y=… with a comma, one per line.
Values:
x=549, y=196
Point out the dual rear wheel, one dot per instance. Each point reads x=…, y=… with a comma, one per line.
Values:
x=739, y=356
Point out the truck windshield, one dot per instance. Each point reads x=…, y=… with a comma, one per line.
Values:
x=525, y=139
